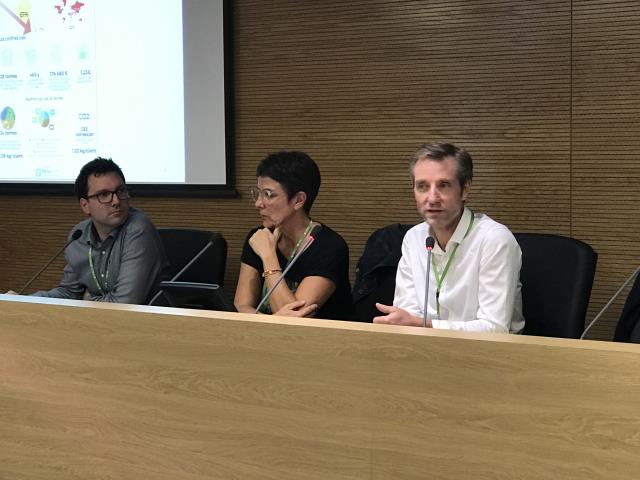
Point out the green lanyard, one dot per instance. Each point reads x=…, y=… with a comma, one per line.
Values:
x=266, y=308
x=440, y=279
x=95, y=277
x=299, y=241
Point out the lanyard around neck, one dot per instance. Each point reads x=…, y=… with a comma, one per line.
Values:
x=299, y=241
x=95, y=277
x=440, y=278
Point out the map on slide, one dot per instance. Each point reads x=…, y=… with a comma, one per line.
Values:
x=47, y=88
x=20, y=12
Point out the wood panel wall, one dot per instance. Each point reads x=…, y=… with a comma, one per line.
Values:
x=544, y=94
x=605, y=136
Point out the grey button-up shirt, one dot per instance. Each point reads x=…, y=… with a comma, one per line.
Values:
x=127, y=265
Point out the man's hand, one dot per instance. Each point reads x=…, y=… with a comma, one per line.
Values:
x=297, y=309
x=398, y=316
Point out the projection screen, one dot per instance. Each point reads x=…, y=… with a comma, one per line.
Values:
x=147, y=83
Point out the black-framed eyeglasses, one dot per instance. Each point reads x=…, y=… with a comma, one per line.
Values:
x=106, y=196
x=266, y=194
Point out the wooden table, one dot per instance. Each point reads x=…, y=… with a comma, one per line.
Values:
x=128, y=392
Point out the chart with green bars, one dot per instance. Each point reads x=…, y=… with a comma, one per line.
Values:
x=47, y=87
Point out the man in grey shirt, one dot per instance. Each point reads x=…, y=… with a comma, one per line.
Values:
x=119, y=256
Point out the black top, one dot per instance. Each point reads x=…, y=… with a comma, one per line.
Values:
x=328, y=256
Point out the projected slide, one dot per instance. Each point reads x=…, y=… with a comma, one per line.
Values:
x=47, y=54
x=80, y=79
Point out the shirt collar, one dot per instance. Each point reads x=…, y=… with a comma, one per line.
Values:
x=90, y=234
x=93, y=238
x=458, y=234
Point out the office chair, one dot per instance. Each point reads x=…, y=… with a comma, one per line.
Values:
x=182, y=245
x=557, y=275
x=196, y=256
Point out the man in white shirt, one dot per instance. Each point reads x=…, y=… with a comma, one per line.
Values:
x=475, y=270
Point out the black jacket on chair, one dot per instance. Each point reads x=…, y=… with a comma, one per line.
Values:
x=376, y=270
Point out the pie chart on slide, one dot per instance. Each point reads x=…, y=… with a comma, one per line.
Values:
x=43, y=118
x=7, y=118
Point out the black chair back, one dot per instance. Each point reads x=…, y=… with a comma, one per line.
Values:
x=182, y=245
x=557, y=275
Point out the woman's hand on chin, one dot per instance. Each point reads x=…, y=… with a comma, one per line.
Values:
x=264, y=242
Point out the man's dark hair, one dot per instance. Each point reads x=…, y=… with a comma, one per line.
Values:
x=97, y=167
x=295, y=171
x=438, y=152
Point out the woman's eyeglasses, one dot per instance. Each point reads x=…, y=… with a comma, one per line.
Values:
x=266, y=194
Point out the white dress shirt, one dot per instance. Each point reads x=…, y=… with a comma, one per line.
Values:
x=481, y=291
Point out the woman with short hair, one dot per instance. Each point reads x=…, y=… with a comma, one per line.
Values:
x=318, y=282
